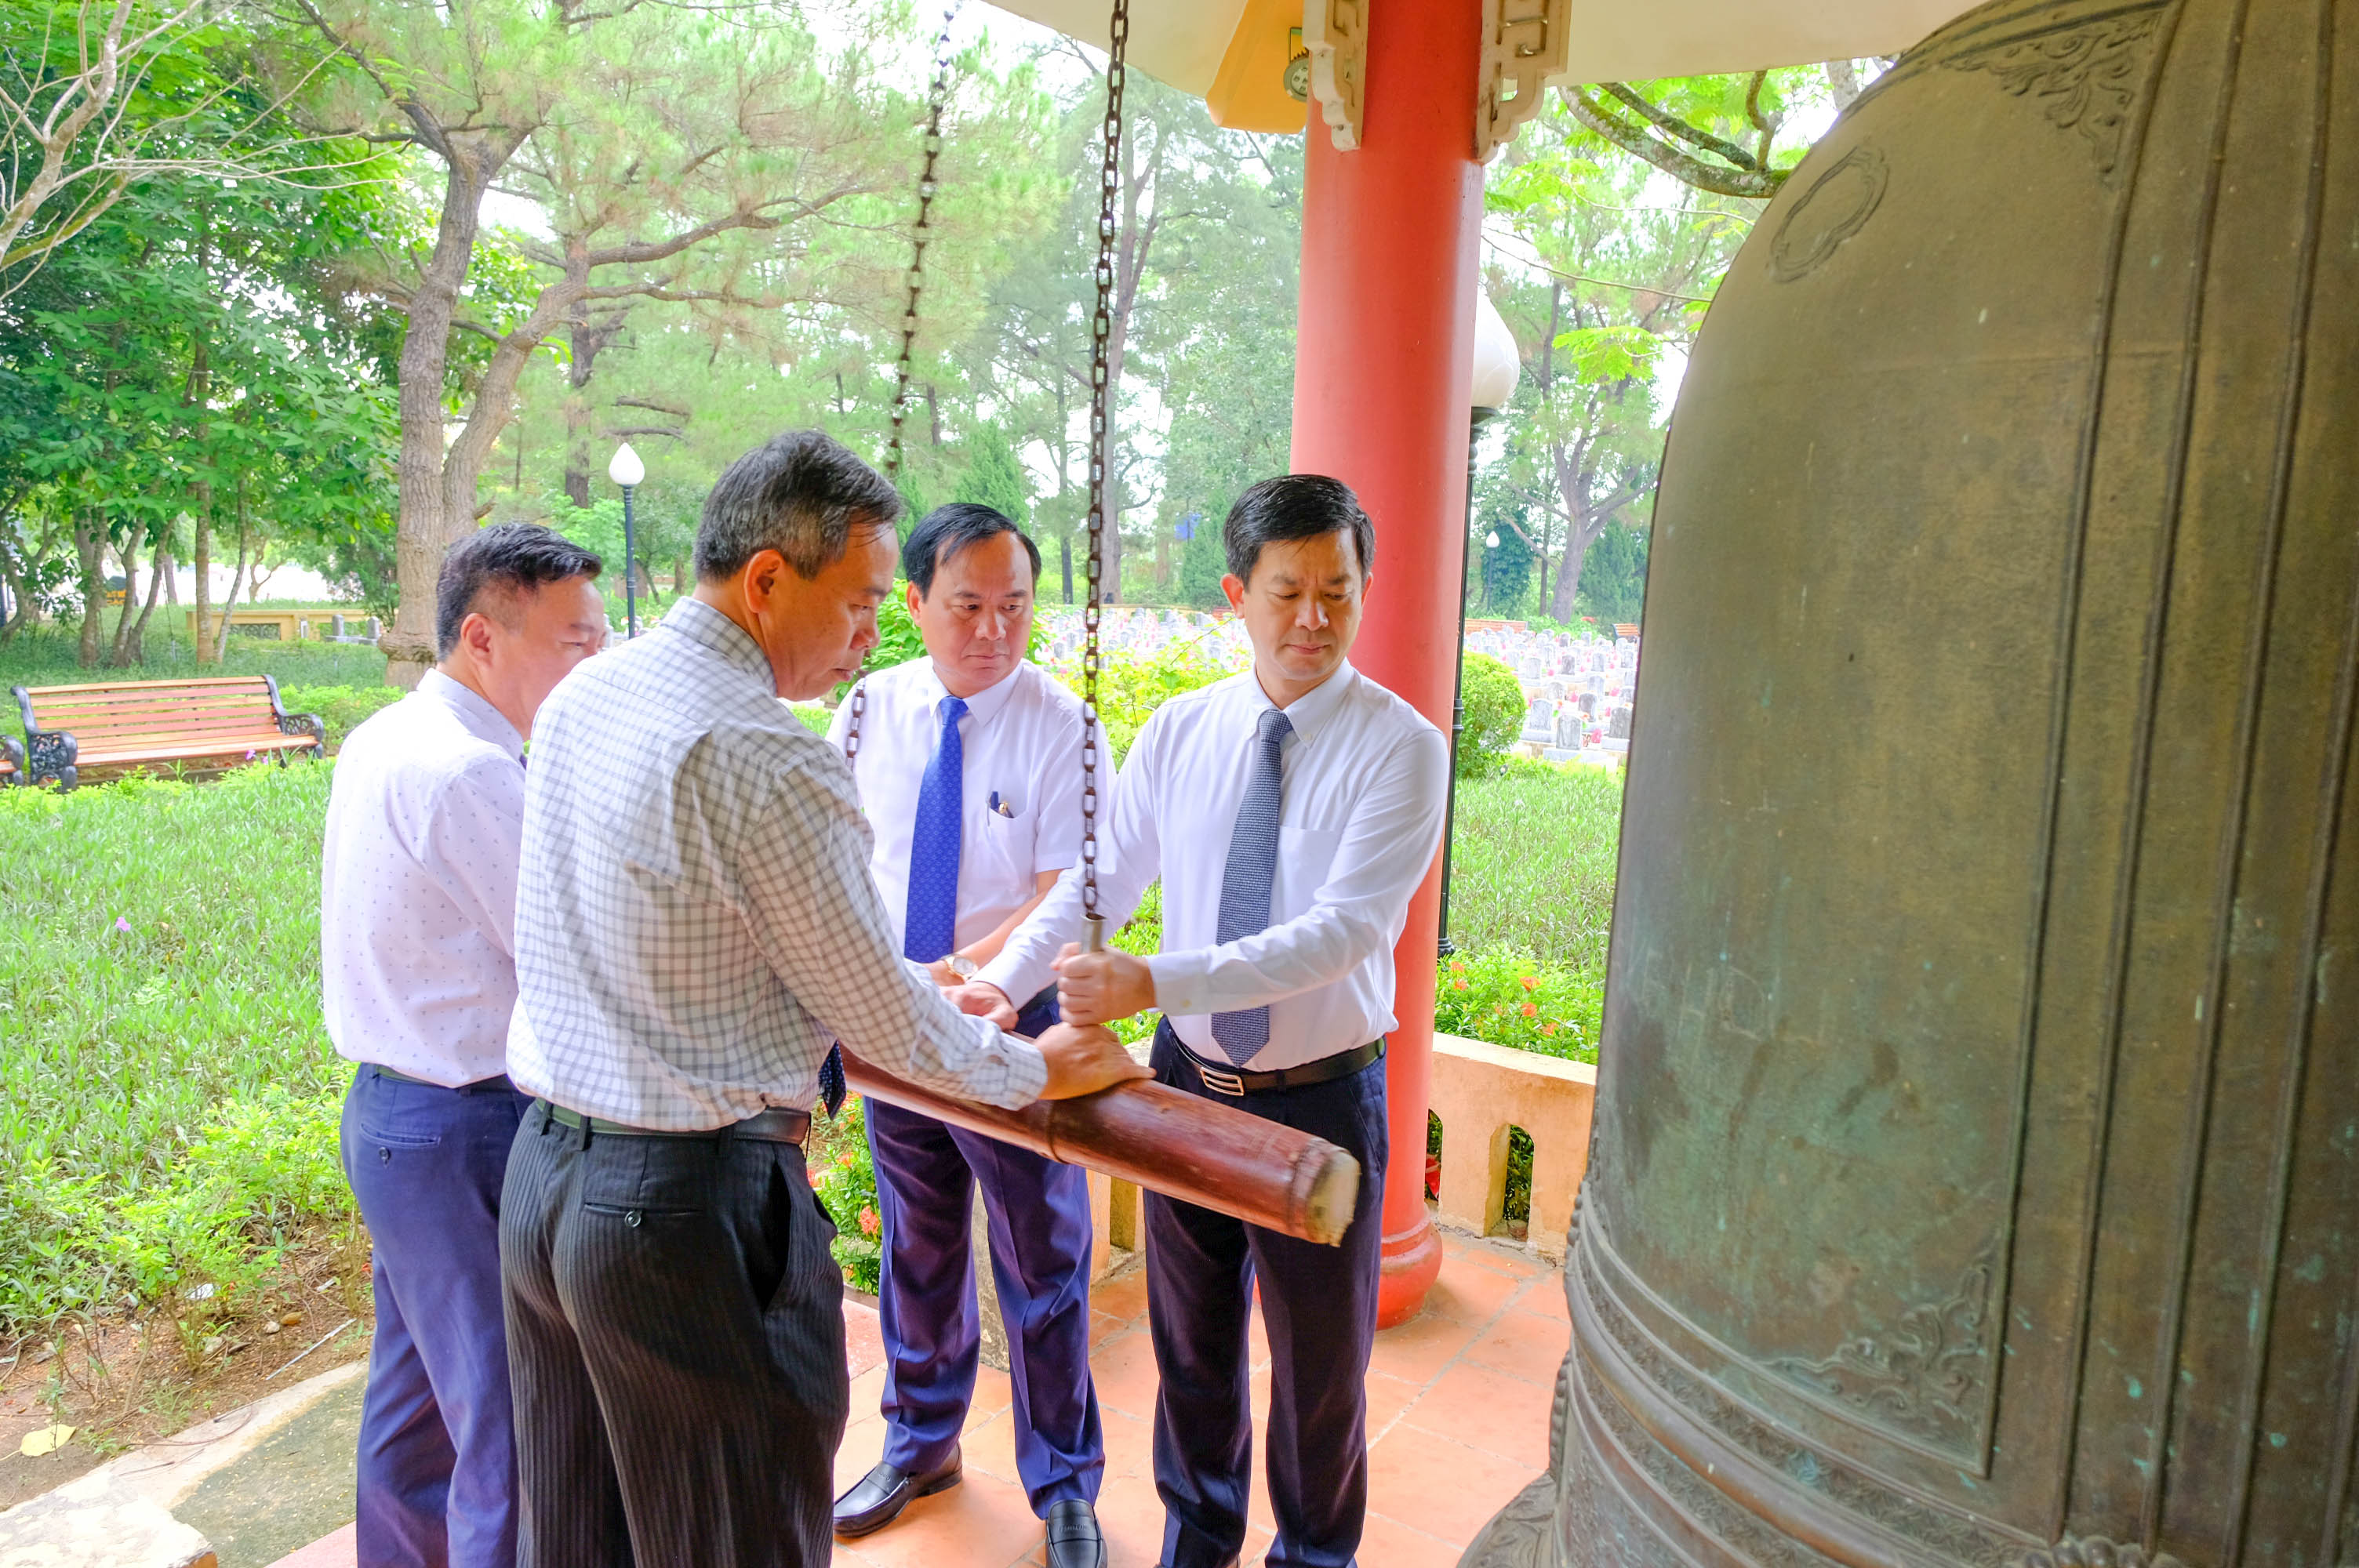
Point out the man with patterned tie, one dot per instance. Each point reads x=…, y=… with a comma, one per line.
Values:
x=1290, y=813
x=968, y=762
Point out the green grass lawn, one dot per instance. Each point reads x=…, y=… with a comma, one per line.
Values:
x=168, y=1100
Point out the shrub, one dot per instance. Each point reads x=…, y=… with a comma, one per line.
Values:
x=1494, y=713
x=340, y=707
x=845, y=1179
x=1130, y=689
x=1507, y=998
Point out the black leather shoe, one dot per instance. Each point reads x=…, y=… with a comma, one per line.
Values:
x=878, y=1498
x=1074, y=1538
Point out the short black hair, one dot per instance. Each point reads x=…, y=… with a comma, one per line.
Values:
x=946, y=530
x=1295, y=506
x=799, y=494
x=504, y=560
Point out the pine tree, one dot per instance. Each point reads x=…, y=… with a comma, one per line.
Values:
x=994, y=477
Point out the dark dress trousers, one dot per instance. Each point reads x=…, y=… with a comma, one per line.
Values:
x=437, y=1466
x=1041, y=1244
x=1320, y=1304
x=675, y=1329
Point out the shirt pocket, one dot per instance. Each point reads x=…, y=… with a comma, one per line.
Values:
x=1007, y=847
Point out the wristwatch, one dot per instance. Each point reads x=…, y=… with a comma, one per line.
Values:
x=962, y=966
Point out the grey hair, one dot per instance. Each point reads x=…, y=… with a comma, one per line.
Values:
x=799, y=494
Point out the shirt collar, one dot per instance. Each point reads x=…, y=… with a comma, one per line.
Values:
x=984, y=706
x=1308, y=713
x=480, y=719
x=708, y=628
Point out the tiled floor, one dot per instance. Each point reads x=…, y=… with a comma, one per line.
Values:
x=1458, y=1411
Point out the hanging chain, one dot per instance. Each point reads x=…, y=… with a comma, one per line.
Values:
x=937, y=99
x=1102, y=395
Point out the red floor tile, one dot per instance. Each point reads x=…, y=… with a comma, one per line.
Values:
x=1419, y=1350
x=1473, y=1404
x=1524, y=1345
x=1389, y=1543
x=983, y=1520
x=1443, y=1489
x=1469, y=1292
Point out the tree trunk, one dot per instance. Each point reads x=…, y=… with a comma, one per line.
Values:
x=1579, y=538
x=221, y=634
x=130, y=635
x=587, y=338
x=425, y=527
x=203, y=564
x=171, y=570
x=90, y=545
x=1065, y=562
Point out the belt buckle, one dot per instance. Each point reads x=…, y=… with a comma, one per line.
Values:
x=1221, y=1083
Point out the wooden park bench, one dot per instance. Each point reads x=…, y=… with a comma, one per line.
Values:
x=122, y=724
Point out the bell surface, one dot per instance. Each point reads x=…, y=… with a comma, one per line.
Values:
x=1975, y=1177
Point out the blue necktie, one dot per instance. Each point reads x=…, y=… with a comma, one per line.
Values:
x=1245, y=884
x=930, y=929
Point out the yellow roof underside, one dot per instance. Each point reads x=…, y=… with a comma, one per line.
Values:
x=1187, y=43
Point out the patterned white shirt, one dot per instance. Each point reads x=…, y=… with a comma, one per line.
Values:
x=1365, y=779
x=1019, y=792
x=418, y=885
x=700, y=925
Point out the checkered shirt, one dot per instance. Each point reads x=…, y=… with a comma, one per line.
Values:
x=695, y=921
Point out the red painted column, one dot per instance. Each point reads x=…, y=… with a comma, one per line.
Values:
x=1382, y=370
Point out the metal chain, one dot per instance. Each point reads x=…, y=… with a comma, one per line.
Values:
x=937, y=99
x=1101, y=431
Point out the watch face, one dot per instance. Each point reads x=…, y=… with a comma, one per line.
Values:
x=964, y=968
x=1297, y=78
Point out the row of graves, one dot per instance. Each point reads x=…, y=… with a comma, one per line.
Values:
x=1577, y=690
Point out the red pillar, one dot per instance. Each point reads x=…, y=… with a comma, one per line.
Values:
x=1381, y=368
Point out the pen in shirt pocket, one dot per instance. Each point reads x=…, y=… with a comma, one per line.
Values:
x=998, y=806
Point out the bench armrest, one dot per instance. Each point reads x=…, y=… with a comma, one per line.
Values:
x=297, y=723
x=14, y=750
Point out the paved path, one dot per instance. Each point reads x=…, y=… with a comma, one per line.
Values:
x=1458, y=1413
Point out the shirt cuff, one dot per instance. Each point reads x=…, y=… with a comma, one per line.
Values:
x=1027, y=1072
x=1184, y=982
x=1010, y=973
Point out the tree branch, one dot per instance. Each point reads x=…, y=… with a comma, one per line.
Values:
x=1634, y=140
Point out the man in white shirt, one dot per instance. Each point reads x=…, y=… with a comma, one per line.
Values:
x=418, y=966
x=698, y=927
x=1290, y=812
x=968, y=762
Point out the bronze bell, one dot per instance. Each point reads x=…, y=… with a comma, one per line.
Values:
x=1976, y=1166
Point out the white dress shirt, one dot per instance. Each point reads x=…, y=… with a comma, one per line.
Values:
x=1364, y=781
x=699, y=925
x=1019, y=791
x=417, y=886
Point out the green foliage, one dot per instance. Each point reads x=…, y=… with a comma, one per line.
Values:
x=167, y=1090
x=1130, y=689
x=1613, y=577
x=1494, y=703
x=1505, y=996
x=340, y=707
x=1506, y=565
x=845, y=1177
x=994, y=477
x=1202, y=565
x=1533, y=869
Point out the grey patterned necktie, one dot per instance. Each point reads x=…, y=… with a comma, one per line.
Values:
x=1245, y=884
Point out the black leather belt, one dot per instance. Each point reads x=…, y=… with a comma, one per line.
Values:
x=774, y=1125
x=1236, y=1082
x=496, y=1081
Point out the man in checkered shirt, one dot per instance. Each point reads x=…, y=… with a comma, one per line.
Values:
x=696, y=926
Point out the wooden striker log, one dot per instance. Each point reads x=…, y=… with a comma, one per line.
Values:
x=1185, y=1148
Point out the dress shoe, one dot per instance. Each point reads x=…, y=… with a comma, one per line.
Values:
x=1074, y=1538
x=878, y=1498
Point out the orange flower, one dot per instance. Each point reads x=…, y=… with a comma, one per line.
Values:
x=869, y=1223
x=845, y=1159
x=1531, y=982
x=1549, y=1028
x=1456, y=968
x=1530, y=1010
x=1458, y=985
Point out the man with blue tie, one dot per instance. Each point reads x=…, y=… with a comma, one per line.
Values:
x=968, y=764
x=1291, y=813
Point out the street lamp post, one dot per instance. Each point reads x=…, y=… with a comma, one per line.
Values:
x=628, y=470
x=1497, y=370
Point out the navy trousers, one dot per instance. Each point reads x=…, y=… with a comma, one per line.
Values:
x=1038, y=1213
x=1319, y=1305
x=437, y=1482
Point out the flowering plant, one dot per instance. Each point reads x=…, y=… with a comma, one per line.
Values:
x=846, y=1182
x=1507, y=998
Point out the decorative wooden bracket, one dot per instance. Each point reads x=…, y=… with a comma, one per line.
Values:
x=1336, y=34
x=1524, y=42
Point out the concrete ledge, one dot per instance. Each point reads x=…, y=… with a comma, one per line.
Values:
x=1481, y=1090
x=120, y=1515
